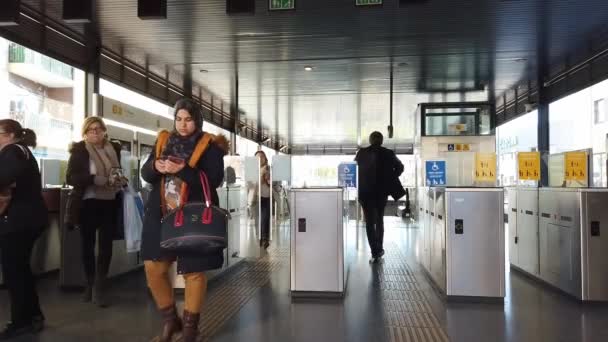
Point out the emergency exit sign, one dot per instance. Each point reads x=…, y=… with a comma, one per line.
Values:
x=368, y=2
x=277, y=5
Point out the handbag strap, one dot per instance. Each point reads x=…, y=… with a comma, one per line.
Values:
x=206, y=190
x=207, y=216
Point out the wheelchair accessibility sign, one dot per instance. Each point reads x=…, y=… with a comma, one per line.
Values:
x=435, y=173
x=347, y=175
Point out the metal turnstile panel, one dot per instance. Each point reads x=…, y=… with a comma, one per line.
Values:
x=512, y=213
x=559, y=239
x=437, y=243
x=475, y=243
x=429, y=198
x=595, y=245
x=527, y=230
x=317, y=263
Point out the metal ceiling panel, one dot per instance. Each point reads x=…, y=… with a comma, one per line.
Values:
x=438, y=48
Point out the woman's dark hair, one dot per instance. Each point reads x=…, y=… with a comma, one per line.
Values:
x=23, y=136
x=191, y=107
x=262, y=153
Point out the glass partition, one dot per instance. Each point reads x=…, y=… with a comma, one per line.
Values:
x=251, y=227
x=281, y=209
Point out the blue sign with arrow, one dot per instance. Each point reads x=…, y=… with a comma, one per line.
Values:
x=435, y=173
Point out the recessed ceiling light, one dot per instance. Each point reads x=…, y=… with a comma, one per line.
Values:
x=308, y=68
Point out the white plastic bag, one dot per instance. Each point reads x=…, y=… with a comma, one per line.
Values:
x=133, y=220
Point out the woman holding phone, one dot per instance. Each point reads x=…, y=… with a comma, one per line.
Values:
x=167, y=173
x=94, y=172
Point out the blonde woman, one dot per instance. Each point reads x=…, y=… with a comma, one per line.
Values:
x=93, y=172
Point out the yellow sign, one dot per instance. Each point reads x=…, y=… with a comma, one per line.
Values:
x=529, y=165
x=575, y=166
x=116, y=109
x=485, y=167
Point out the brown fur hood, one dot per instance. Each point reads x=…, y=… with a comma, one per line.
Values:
x=222, y=142
x=219, y=140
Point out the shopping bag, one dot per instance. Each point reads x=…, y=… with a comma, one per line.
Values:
x=133, y=219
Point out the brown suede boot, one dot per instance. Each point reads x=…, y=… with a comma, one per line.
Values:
x=171, y=323
x=190, y=331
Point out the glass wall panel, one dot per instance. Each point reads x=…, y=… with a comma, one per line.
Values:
x=578, y=122
x=42, y=94
x=518, y=135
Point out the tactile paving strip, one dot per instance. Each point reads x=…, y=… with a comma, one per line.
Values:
x=231, y=292
x=408, y=315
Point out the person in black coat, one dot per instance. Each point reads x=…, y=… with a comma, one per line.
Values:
x=172, y=167
x=20, y=225
x=379, y=171
x=94, y=201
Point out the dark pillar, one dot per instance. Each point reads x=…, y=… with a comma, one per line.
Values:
x=543, y=105
x=93, y=69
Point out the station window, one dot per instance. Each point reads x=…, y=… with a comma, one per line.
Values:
x=599, y=111
x=518, y=135
x=42, y=94
x=578, y=122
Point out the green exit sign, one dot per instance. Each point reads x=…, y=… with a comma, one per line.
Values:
x=368, y=2
x=277, y=5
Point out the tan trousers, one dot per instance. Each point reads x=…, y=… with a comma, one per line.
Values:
x=157, y=275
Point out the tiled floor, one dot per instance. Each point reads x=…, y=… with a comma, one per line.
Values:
x=391, y=301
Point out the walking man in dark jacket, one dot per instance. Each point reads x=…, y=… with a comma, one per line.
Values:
x=379, y=171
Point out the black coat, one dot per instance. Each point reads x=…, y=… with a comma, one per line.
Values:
x=78, y=175
x=27, y=210
x=379, y=171
x=212, y=163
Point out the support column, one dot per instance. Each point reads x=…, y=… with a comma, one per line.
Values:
x=543, y=105
x=93, y=69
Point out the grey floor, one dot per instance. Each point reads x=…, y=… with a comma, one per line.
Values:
x=531, y=312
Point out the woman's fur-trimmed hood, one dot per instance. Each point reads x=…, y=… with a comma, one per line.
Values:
x=222, y=142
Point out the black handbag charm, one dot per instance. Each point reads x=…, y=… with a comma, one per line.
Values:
x=195, y=228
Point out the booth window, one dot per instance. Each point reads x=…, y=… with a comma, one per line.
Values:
x=599, y=111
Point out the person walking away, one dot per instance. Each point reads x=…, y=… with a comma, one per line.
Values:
x=94, y=202
x=167, y=171
x=22, y=219
x=264, y=199
x=379, y=171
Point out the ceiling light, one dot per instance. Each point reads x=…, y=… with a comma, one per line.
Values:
x=308, y=68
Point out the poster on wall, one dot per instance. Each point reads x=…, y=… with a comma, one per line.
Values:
x=485, y=167
x=528, y=164
x=575, y=166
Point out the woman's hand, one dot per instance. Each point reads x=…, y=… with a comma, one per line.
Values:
x=160, y=166
x=173, y=168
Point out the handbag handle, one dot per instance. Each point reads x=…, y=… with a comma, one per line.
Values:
x=207, y=216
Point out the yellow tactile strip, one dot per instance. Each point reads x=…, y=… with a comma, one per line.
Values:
x=227, y=296
x=408, y=316
x=413, y=334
